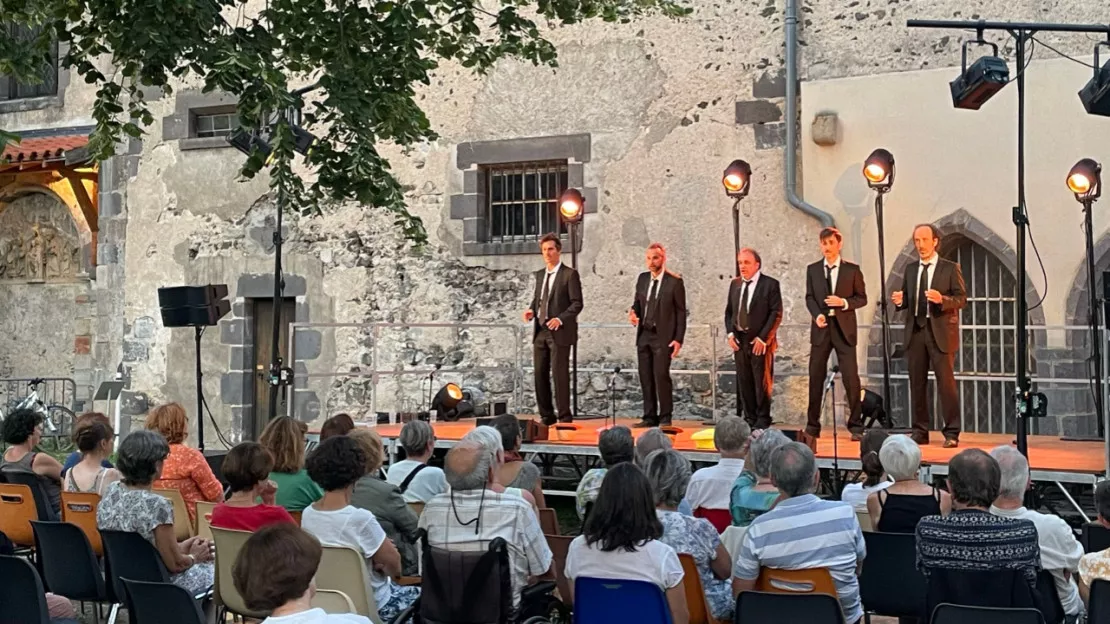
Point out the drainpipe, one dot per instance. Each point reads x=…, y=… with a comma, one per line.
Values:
x=791, y=178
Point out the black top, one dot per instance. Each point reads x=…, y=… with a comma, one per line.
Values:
x=901, y=512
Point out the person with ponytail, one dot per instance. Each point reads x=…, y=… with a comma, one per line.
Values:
x=89, y=475
x=874, y=475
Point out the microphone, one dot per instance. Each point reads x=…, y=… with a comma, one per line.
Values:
x=613, y=378
x=832, y=374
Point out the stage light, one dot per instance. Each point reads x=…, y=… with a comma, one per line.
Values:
x=872, y=410
x=737, y=179
x=976, y=84
x=571, y=205
x=878, y=169
x=1095, y=95
x=1085, y=180
x=447, y=400
x=247, y=142
x=303, y=140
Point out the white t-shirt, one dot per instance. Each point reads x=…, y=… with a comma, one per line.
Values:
x=316, y=616
x=711, y=487
x=654, y=562
x=856, y=495
x=355, y=528
x=428, y=483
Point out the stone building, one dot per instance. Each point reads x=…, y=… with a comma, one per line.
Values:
x=643, y=117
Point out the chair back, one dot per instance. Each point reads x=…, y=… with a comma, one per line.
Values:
x=733, y=539
x=721, y=519
x=128, y=555
x=890, y=583
x=864, y=519
x=811, y=581
x=978, y=588
x=417, y=508
x=1098, y=607
x=204, y=519
x=45, y=510
x=296, y=516
x=182, y=525
x=17, y=511
x=79, y=508
x=1048, y=599
x=696, y=603
x=228, y=544
x=603, y=601
x=466, y=586
x=560, y=546
x=961, y=614
x=67, y=561
x=549, y=522
x=756, y=606
x=22, y=594
x=344, y=569
x=332, y=601
x=161, y=603
x=1095, y=537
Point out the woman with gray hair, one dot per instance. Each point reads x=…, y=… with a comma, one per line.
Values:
x=616, y=446
x=753, y=493
x=130, y=505
x=898, y=508
x=669, y=475
x=417, y=481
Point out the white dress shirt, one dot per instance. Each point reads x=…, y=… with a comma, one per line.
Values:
x=751, y=290
x=549, y=279
x=1060, y=551
x=834, y=275
x=711, y=487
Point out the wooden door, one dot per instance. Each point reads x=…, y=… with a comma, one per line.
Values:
x=263, y=319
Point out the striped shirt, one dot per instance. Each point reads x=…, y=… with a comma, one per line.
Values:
x=806, y=532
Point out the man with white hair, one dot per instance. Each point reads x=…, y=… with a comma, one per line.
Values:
x=711, y=487
x=1060, y=551
x=490, y=439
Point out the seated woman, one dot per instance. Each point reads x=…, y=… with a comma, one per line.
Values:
x=337, y=465
x=384, y=500
x=669, y=475
x=275, y=573
x=875, y=478
x=897, y=508
x=340, y=424
x=753, y=493
x=620, y=540
x=283, y=437
x=247, y=469
x=130, y=505
x=185, y=470
x=23, y=432
x=84, y=420
x=89, y=475
x=615, y=446
x=1095, y=566
x=516, y=472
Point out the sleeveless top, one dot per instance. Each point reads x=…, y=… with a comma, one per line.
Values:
x=901, y=512
x=24, y=465
x=71, y=483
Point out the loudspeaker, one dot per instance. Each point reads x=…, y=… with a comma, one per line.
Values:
x=193, y=306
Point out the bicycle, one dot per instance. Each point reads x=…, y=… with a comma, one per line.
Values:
x=57, y=419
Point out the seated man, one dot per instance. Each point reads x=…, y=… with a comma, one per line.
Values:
x=474, y=512
x=710, y=489
x=803, y=532
x=1096, y=565
x=1060, y=551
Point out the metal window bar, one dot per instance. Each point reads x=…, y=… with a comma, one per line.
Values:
x=216, y=124
x=522, y=200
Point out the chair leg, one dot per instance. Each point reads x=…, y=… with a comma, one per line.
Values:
x=866, y=617
x=113, y=613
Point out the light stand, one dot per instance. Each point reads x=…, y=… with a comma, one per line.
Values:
x=1085, y=181
x=572, y=206
x=736, y=235
x=1024, y=399
x=199, y=331
x=737, y=180
x=879, y=171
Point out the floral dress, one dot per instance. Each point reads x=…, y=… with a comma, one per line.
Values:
x=587, y=489
x=142, y=511
x=697, y=537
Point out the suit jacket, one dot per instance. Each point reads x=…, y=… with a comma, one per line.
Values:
x=564, y=303
x=944, y=317
x=764, y=309
x=849, y=286
x=670, y=319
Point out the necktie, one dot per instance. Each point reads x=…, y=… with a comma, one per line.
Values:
x=742, y=315
x=829, y=283
x=544, y=296
x=922, y=309
x=652, y=303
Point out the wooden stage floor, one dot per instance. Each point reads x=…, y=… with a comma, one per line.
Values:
x=1050, y=458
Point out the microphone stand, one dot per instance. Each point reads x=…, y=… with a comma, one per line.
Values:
x=830, y=388
x=612, y=396
x=431, y=385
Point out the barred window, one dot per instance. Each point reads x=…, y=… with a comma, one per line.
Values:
x=215, y=124
x=13, y=89
x=523, y=200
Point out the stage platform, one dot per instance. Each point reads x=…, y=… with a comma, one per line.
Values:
x=1051, y=459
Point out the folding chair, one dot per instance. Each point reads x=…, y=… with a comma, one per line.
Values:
x=46, y=511
x=1095, y=537
x=757, y=606
x=697, y=604
x=344, y=569
x=604, y=601
x=182, y=525
x=890, y=583
x=811, y=581
x=128, y=555
x=160, y=603
x=79, y=508
x=68, y=563
x=228, y=544
x=17, y=511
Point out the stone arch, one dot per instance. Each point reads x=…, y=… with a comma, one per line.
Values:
x=1078, y=294
x=41, y=237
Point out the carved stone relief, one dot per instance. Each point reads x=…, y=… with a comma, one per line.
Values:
x=38, y=240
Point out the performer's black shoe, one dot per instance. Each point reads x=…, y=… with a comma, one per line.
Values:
x=666, y=422
x=921, y=440
x=857, y=436
x=548, y=420
x=951, y=443
x=566, y=421
x=808, y=440
x=645, y=424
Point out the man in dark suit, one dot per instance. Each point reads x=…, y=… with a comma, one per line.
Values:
x=752, y=319
x=659, y=315
x=933, y=297
x=556, y=302
x=834, y=290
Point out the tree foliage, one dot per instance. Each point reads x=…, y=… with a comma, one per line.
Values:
x=367, y=58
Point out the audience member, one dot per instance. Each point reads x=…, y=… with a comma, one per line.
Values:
x=753, y=493
x=476, y=510
x=94, y=441
x=490, y=439
x=417, y=481
x=84, y=420
x=23, y=431
x=669, y=475
x=284, y=437
x=898, y=507
x=1096, y=565
x=384, y=500
x=58, y=608
x=340, y=424
x=337, y=464
x=247, y=469
x=615, y=446
x=621, y=539
x=875, y=477
x=185, y=470
x=516, y=471
x=1060, y=551
x=275, y=573
x=652, y=440
x=804, y=532
x=130, y=505
x=711, y=487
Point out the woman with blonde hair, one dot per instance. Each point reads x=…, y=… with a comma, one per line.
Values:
x=185, y=469
x=284, y=437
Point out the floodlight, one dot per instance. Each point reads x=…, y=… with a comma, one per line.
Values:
x=571, y=205
x=737, y=179
x=878, y=169
x=1085, y=180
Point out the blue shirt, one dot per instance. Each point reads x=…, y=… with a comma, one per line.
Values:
x=74, y=458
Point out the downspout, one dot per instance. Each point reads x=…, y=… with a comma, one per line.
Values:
x=791, y=178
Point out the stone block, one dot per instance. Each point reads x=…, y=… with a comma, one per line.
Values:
x=241, y=359
x=307, y=344
x=465, y=206
x=236, y=388
x=301, y=312
x=82, y=327
x=234, y=332
x=473, y=180
x=110, y=204
x=770, y=84
x=107, y=253
x=757, y=112
x=570, y=147
x=143, y=328
x=473, y=229
x=1078, y=425
x=135, y=351
x=261, y=286
x=82, y=345
x=239, y=308
x=242, y=419
x=825, y=129
x=1047, y=426
x=133, y=403
x=770, y=136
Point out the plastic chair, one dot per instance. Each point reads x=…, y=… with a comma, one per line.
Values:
x=182, y=526
x=296, y=516
x=756, y=606
x=549, y=522
x=79, y=508
x=17, y=511
x=696, y=603
x=161, y=603
x=46, y=511
x=890, y=583
x=1049, y=598
x=228, y=544
x=128, y=555
x=958, y=614
x=604, y=601
x=560, y=546
x=721, y=519
x=1098, y=607
x=864, y=519
x=733, y=539
x=1095, y=537
x=22, y=594
x=344, y=569
x=811, y=581
x=332, y=601
x=204, y=519
x=68, y=563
